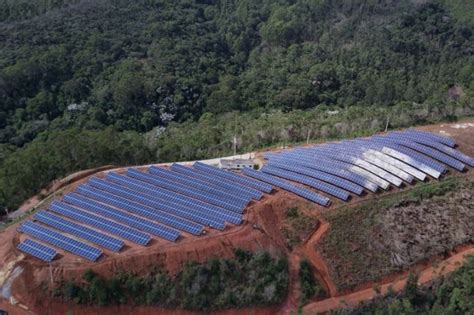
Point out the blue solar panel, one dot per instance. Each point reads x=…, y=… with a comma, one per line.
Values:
x=110, y=226
x=312, y=182
x=305, y=193
x=142, y=205
x=203, y=207
x=61, y=241
x=165, y=203
x=326, y=160
x=349, y=186
x=182, y=189
x=37, y=250
x=439, y=138
x=427, y=151
x=215, y=218
x=231, y=187
x=411, y=153
x=438, y=146
x=210, y=188
x=330, y=169
x=234, y=177
x=78, y=230
x=119, y=216
x=176, y=216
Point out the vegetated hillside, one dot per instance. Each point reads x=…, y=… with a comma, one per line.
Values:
x=450, y=295
x=196, y=73
x=139, y=64
x=368, y=242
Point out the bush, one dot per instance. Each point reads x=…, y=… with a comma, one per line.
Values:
x=248, y=280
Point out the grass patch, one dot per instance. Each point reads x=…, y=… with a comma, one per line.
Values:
x=298, y=226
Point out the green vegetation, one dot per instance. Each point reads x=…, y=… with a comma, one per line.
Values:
x=298, y=226
x=251, y=279
x=383, y=236
x=310, y=287
x=194, y=74
x=453, y=294
x=59, y=153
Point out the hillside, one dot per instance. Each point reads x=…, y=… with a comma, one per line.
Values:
x=255, y=70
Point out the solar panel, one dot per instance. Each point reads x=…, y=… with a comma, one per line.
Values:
x=213, y=218
x=37, y=250
x=232, y=187
x=334, y=170
x=413, y=162
x=231, y=197
x=337, y=181
x=164, y=212
x=78, y=230
x=446, y=159
x=342, y=156
x=234, y=177
x=103, y=224
x=437, y=137
x=314, y=183
x=204, y=207
x=118, y=215
x=403, y=166
x=182, y=189
x=438, y=146
x=411, y=153
x=68, y=244
x=168, y=203
x=305, y=193
x=327, y=160
x=134, y=202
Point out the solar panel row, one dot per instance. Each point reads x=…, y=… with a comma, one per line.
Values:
x=446, y=159
x=337, y=181
x=37, y=250
x=168, y=203
x=233, y=188
x=312, y=182
x=54, y=238
x=100, y=223
x=305, y=193
x=263, y=187
x=224, y=214
x=147, y=206
x=208, y=187
x=125, y=204
x=78, y=230
x=164, y=183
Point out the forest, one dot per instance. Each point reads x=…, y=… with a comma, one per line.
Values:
x=249, y=279
x=85, y=83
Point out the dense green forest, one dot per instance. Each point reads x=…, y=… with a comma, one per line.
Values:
x=453, y=294
x=191, y=74
x=250, y=279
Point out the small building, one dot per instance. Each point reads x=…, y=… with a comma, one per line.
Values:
x=235, y=164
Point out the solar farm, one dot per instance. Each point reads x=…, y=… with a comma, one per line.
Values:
x=173, y=203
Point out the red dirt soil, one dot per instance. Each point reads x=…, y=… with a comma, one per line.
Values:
x=262, y=230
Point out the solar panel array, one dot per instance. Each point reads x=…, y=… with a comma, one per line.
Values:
x=38, y=250
x=61, y=241
x=348, y=167
x=169, y=203
x=138, y=206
